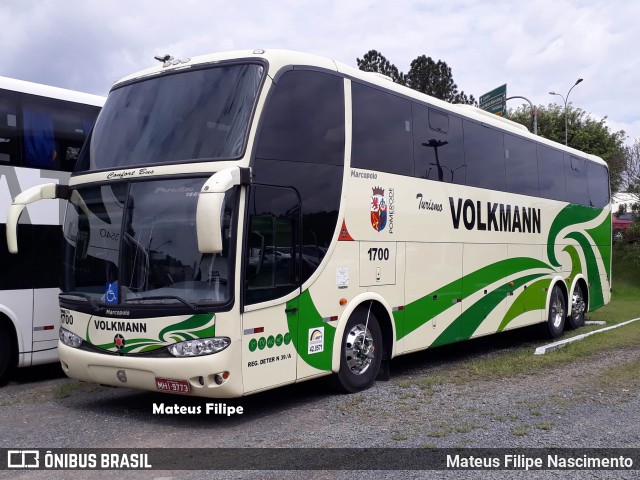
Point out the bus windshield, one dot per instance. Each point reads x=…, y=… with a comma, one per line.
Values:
x=135, y=244
x=192, y=115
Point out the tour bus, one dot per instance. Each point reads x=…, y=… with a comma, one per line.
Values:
x=41, y=131
x=246, y=220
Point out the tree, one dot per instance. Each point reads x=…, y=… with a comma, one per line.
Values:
x=622, y=209
x=374, y=61
x=425, y=75
x=584, y=133
x=435, y=79
x=631, y=177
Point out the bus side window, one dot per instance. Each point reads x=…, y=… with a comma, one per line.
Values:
x=39, y=139
x=382, y=131
x=304, y=120
x=484, y=156
x=522, y=166
x=301, y=145
x=272, y=265
x=438, y=145
x=9, y=151
x=53, y=135
x=575, y=170
x=598, y=181
x=551, y=173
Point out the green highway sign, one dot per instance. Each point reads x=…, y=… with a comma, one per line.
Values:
x=495, y=101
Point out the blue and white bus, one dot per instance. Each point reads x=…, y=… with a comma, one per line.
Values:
x=42, y=129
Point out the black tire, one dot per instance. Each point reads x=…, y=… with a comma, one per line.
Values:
x=578, y=308
x=7, y=354
x=557, y=313
x=359, y=366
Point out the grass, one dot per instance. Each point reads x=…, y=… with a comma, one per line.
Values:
x=624, y=377
x=625, y=296
x=441, y=432
x=351, y=401
x=544, y=426
x=55, y=392
x=466, y=427
x=67, y=389
x=520, y=430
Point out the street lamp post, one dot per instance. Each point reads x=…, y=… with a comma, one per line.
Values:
x=534, y=113
x=565, y=107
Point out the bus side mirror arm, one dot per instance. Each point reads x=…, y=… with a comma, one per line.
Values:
x=47, y=191
x=210, y=203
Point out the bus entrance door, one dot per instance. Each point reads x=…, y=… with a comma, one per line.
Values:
x=271, y=287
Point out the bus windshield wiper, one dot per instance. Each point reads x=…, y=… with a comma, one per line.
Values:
x=88, y=298
x=192, y=306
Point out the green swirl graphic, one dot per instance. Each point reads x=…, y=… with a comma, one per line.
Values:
x=568, y=216
x=197, y=326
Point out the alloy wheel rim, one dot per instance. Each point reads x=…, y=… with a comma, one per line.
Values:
x=359, y=349
x=557, y=312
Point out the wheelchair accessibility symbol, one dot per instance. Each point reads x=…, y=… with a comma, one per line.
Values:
x=111, y=293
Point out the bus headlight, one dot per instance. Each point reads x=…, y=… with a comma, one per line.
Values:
x=70, y=339
x=194, y=348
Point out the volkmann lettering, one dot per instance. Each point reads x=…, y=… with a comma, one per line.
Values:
x=365, y=175
x=120, y=326
x=497, y=217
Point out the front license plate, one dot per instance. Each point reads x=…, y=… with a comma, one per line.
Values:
x=173, y=386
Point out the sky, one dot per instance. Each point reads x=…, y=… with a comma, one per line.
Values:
x=534, y=47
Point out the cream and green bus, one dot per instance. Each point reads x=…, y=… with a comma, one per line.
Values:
x=246, y=220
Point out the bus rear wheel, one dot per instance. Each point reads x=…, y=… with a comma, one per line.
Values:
x=557, y=313
x=7, y=361
x=578, y=308
x=360, y=352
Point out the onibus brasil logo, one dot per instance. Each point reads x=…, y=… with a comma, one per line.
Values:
x=378, y=209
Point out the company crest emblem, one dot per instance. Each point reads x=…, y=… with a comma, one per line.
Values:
x=119, y=341
x=378, y=209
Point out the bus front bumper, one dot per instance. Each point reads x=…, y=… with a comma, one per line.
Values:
x=199, y=375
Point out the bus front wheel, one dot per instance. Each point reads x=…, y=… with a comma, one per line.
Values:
x=360, y=352
x=557, y=313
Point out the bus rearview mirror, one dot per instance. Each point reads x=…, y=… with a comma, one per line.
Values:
x=210, y=205
x=47, y=191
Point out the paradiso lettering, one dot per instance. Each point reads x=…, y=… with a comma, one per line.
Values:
x=382, y=211
x=496, y=217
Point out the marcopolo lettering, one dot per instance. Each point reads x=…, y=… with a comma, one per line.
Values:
x=497, y=217
x=365, y=175
x=120, y=326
